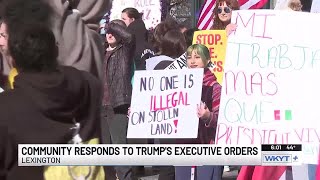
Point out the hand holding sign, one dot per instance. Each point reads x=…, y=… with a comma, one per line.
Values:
x=129, y=112
x=203, y=111
x=230, y=28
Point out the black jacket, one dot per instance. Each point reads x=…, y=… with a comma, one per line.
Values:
x=143, y=49
x=120, y=70
x=138, y=29
x=40, y=110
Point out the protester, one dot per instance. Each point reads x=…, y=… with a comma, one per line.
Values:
x=129, y=15
x=198, y=56
x=144, y=50
x=160, y=30
x=222, y=15
x=171, y=46
x=170, y=43
x=75, y=25
x=188, y=35
x=136, y=26
x=48, y=105
x=118, y=64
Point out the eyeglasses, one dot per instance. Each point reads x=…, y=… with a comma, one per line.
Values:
x=225, y=9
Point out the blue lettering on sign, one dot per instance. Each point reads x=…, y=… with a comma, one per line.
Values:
x=277, y=158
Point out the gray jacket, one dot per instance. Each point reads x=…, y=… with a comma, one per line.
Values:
x=80, y=44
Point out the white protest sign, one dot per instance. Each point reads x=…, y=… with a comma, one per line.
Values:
x=164, y=104
x=151, y=10
x=270, y=93
x=179, y=63
x=281, y=5
x=315, y=7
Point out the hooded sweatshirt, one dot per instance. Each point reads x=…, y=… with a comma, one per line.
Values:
x=41, y=109
x=76, y=27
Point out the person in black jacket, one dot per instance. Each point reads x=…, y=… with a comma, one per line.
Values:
x=136, y=26
x=50, y=104
x=118, y=69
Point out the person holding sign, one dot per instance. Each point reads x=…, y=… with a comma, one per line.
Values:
x=222, y=15
x=198, y=56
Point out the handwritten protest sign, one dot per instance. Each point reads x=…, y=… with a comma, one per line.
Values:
x=164, y=104
x=179, y=63
x=216, y=42
x=281, y=5
x=151, y=10
x=270, y=91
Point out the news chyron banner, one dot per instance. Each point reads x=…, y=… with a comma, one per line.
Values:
x=270, y=88
x=216, y=42
x=178, y=155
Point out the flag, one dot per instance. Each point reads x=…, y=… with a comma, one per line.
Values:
x=205, y=19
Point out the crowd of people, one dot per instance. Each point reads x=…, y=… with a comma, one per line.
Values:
x=63, y=83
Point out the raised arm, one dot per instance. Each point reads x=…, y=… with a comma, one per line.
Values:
x=75, y=26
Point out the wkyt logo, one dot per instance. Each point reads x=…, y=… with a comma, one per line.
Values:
x=272, y=158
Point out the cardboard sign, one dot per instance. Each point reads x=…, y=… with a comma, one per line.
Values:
x=151, y=10
x=164, y=104
x=270, y=90
x=216, y=42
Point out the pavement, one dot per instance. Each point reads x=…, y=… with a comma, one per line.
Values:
x=231, y=175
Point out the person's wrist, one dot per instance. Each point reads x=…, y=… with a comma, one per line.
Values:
x=206, y=116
